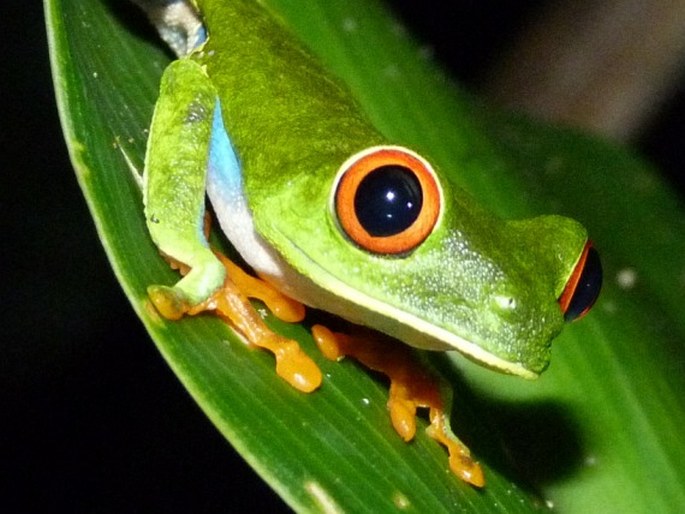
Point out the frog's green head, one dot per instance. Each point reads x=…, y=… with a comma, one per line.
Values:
x=394, y=246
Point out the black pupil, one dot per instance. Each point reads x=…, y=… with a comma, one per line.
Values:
x=388, y=200
x=588, y=287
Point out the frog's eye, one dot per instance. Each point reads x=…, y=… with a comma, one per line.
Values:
x=582, y=288
x=387, y=199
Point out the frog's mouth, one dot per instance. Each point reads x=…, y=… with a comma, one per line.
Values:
x=318, y=288
x=423, y=334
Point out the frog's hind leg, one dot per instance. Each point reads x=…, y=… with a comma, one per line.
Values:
x=411, y=387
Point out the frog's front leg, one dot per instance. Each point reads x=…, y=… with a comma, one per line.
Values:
x=174, y=185
x=180, y=148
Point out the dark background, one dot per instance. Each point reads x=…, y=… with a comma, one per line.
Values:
x=92, y=418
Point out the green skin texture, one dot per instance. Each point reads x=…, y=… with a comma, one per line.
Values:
x=478, y=284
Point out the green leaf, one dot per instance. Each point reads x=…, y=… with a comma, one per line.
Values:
x=599, y=432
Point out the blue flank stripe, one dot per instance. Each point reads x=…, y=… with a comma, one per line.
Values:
x=201, y=36
x=223, y=162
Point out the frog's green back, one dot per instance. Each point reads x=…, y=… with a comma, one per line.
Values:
x=285, y=112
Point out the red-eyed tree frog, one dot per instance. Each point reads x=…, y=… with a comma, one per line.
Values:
x=329, y=212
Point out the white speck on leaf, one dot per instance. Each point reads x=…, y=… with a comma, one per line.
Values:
x=400, y=500
x=626, y=278
x=322, y=498
x=350, y=25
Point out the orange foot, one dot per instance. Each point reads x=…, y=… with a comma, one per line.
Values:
x=411, y=387
x=231, y=303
